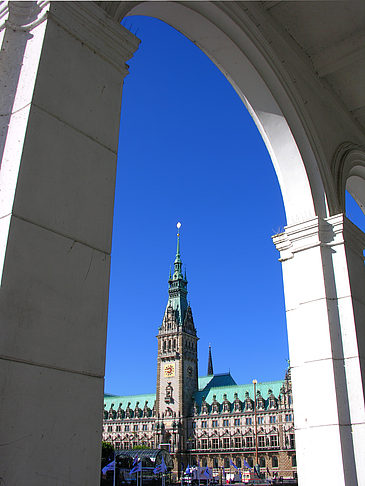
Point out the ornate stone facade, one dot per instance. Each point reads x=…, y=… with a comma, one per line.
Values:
x=208, y=419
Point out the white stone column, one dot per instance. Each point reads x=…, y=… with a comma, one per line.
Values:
x=324, y=282
x=62, y=65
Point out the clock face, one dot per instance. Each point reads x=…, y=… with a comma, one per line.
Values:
x=169, y=370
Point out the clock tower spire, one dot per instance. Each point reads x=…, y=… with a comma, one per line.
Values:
x=177, y=363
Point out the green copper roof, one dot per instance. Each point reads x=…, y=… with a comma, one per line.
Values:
x=241, y=390
x=219, y=379
x=133, y=399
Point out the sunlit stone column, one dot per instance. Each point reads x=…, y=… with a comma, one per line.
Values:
x=324, y=282
x=62, y=66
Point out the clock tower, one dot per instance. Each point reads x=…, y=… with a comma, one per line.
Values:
x=177, y=362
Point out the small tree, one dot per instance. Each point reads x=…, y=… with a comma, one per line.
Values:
x=140, y=447
x=107, y=453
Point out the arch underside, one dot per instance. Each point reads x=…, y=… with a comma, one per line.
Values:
x=246, y=67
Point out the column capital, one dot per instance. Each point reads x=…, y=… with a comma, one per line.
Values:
x=91, y=25
x=325, y=232
x=86, y=21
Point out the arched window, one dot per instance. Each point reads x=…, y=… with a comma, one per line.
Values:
x=250, y=461
x=262, y=462
x=169, y=345
x=226, y=462
x=204, y=462
x=174, y=344
x=164, y=345
x=238, y=462
x=294, y=461
x=274, y=461
x=215, y=462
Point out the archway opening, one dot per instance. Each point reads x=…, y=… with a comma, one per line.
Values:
x=190, y=151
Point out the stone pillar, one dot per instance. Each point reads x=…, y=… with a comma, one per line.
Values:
x=324, y=282
x=62, y=65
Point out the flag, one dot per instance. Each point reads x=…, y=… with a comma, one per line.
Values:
x=223, y=471
x=161, y=468
x=246, y=464
x=206, y=472
x=108, y=467
x=187, y=470
x=232, y=464
x=268, y=471
x=136, y=468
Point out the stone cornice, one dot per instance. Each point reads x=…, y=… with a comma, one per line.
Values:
x=91, y=25
x=319, y=232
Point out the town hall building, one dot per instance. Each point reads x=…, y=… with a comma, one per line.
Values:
x=208, y=420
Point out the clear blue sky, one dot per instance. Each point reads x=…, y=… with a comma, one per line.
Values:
x=190, y=152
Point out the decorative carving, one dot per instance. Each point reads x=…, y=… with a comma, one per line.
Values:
x=169, y=412
x=248, y=403
x=120, y=412
x=260, y=402
x=146, y=410
x=137, y=411
x=128, y=411
x=204, y=409
x=226, y=404
x=273, y=404
x=111, y=413
x=237, y=404
x=215, y=405
x=195, y=408
x=168, y=393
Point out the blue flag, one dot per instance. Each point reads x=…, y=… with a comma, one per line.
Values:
x=232, y=464
x=187, y=470
x=246, y=464
x=136, y=468
x=161, y=468
x=206, y=472
x=109, y=467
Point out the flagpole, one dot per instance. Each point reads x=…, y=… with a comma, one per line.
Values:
x=255, y=414
x=114, y=470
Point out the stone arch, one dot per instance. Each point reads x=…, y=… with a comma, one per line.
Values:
x=264, y=94
x=55, y=258
x=349, y=173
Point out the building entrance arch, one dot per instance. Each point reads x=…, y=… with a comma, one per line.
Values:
x=64, y=64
